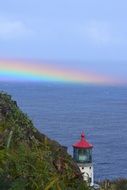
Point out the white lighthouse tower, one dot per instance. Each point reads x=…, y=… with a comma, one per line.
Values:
x=82, y=154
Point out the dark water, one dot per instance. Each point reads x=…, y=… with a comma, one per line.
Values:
x=63, y=111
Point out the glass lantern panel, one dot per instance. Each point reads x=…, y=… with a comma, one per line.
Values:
x=83, y=155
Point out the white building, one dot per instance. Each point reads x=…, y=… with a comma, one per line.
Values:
x=82, y=154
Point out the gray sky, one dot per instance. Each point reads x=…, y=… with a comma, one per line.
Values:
x=87, y=34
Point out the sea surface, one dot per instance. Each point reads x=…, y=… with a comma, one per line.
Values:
x=63, y=111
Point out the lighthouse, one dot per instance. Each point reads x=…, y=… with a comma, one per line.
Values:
x=82, y=154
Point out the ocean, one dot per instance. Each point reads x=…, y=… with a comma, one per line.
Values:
x=63, y=111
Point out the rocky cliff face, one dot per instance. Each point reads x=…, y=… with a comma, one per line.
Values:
x=29, y=159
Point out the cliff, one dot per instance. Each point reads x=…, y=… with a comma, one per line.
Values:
x=29, y=159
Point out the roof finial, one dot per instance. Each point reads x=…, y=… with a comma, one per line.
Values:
x=82, y=135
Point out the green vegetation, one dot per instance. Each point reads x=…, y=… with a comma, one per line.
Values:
x=28, y=159
x=119, y=184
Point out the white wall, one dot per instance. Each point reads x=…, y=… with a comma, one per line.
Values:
x=87, y=171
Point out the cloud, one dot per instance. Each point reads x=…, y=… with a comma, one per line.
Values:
x=11, y=29
x=98, y=32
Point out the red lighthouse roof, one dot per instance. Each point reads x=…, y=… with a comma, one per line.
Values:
x=83, y=143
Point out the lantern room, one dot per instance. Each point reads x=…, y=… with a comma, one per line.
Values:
x=82, y=151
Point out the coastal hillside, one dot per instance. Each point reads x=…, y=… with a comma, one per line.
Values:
x=29, y=159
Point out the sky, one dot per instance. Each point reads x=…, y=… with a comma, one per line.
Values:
x=86, y=35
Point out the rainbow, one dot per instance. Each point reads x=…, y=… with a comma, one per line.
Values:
x=25, y=70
